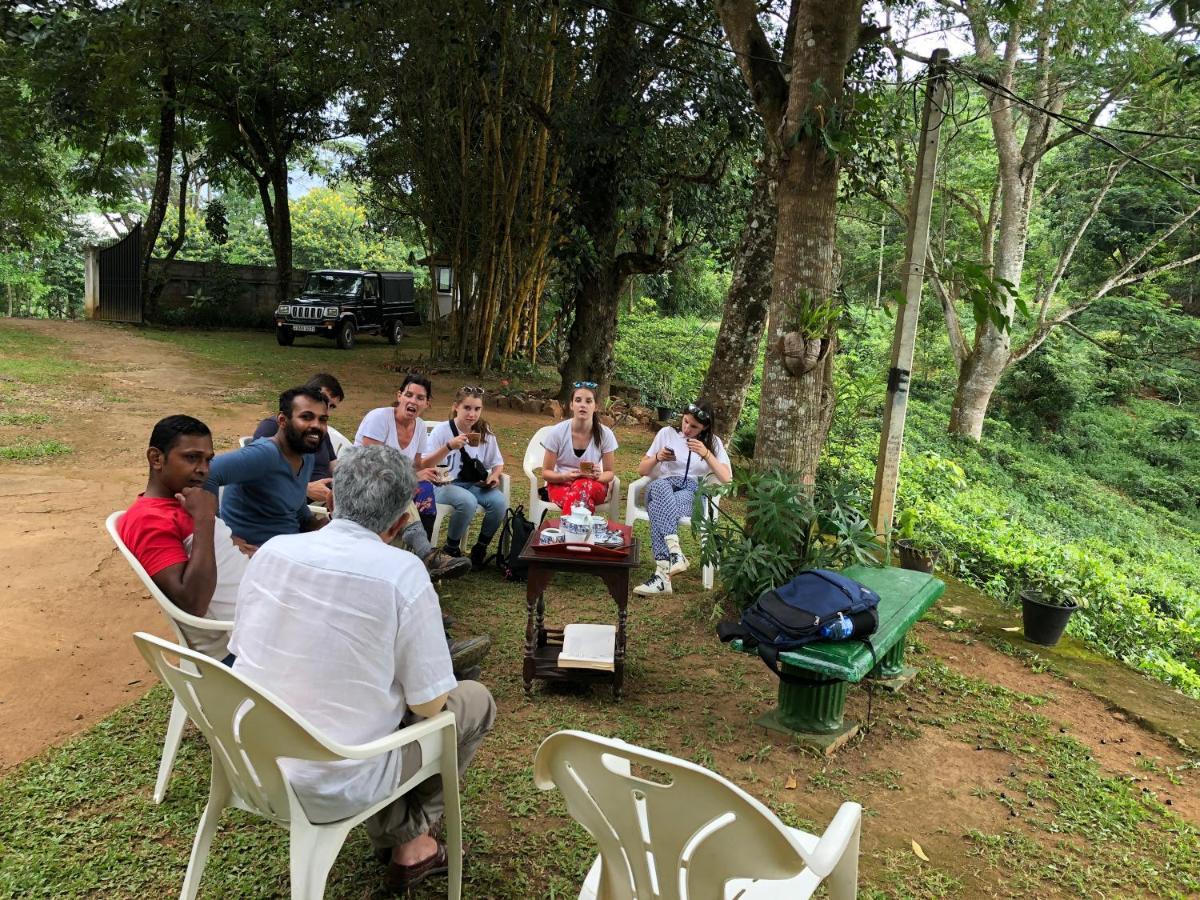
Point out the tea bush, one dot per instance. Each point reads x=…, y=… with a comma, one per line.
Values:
x=1019, y=512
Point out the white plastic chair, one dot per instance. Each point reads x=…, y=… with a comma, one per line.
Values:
x=635, y=508
x=671, y=829
x=339, y=441
x=445, y=509
x=249, y=731
x=175, y=617
x=535, y=455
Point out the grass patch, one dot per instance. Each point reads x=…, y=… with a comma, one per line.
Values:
x=79, y=819
x=21, y=420
x=32, y=451
x=34, y=359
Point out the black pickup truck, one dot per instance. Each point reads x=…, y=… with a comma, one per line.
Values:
x=342, y=303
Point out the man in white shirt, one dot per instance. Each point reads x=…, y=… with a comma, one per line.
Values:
x=347, y=630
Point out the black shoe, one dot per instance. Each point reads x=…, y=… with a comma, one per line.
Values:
x=468, y=653
x=478, y=556
x=454, y=551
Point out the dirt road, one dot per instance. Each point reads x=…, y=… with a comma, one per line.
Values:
x=68, y=602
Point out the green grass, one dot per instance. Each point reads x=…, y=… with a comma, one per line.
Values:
x=79, y=821
x=26, y=452
x=21, y=420
x=34, y=359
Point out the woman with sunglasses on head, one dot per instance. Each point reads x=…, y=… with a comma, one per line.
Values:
x=401, y=427
x=475, y=467
x=683, y=457
x=578, y=465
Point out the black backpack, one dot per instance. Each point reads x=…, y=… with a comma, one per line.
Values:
x=513, y=535
x=794, y=614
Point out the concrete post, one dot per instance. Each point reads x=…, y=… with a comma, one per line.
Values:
x=91, y=282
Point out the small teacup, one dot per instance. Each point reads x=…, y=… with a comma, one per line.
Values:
x=599, y=528
x=587, y=468
x=473, y=438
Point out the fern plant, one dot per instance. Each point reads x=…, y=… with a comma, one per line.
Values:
x=786, y=529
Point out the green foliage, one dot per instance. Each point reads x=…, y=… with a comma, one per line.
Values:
x=663, y=358
x=1014, y=512
x=786, y=529
x=811, y=317
x=695, y=286
x=216, y=222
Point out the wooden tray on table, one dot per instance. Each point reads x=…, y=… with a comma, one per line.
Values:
x=584, y=552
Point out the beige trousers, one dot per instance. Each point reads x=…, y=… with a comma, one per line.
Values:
x=417, y=811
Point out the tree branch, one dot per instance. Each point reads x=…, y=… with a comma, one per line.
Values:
x=758, y=62
x=1064, y=259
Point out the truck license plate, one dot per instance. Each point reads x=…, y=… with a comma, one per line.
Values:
x=304, y=328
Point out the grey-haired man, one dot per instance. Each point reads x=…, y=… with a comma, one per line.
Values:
x=347, y=630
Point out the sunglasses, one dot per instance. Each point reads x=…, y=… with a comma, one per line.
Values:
x=590, y=385
x=698, y=414
x=473, y=390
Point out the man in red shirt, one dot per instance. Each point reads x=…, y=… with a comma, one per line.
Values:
x=173, y=530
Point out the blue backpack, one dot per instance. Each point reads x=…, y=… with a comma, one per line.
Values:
x=796, y=614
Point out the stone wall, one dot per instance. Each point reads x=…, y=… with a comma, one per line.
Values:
x=211, y=293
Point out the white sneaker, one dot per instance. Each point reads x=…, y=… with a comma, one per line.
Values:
x=679, y=562
x=658, y=583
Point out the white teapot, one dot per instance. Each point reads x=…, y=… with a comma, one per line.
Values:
x=578, y=525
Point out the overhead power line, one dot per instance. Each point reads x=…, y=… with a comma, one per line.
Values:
x=990, y=84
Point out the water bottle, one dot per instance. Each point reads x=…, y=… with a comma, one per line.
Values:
x=837, y=630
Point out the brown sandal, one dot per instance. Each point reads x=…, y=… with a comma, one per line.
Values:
x=404, y=878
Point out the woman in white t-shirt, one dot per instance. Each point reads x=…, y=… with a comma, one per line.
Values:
x=470, y=490
x=683, y=457
x=580, y=451
x=401, y=427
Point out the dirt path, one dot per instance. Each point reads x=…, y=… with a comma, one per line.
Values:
x=67, y=600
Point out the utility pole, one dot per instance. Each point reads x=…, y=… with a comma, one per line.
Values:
x=920, y=206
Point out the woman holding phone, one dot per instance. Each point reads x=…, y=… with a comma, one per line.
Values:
x=578, y=464
x=683, y=457
x=475, y=467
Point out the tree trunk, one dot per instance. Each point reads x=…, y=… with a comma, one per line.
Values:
x=596, y=184
x=795, y=410
x=162, y=188
x=977, y=380
x=592, y=335
x=281, y=232
x=735, y=354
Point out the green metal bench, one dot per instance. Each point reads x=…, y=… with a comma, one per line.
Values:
x=812, y=700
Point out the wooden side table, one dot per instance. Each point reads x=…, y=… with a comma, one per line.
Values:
x=542, y=644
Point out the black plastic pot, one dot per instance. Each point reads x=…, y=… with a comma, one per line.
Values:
x=1044, y=622
x=914, y=559
x=664, y=413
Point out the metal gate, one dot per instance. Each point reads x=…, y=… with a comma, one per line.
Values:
x=121, y=278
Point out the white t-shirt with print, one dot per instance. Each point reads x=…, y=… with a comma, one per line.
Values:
x=558, y=442
x=380, y=425
x=673, y=439
x=488, y=451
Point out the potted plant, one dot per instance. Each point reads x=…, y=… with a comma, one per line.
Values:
x=1046, y=607
x=664, y=394
x=918, y=552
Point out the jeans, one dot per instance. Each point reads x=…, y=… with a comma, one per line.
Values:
x=466, y=498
